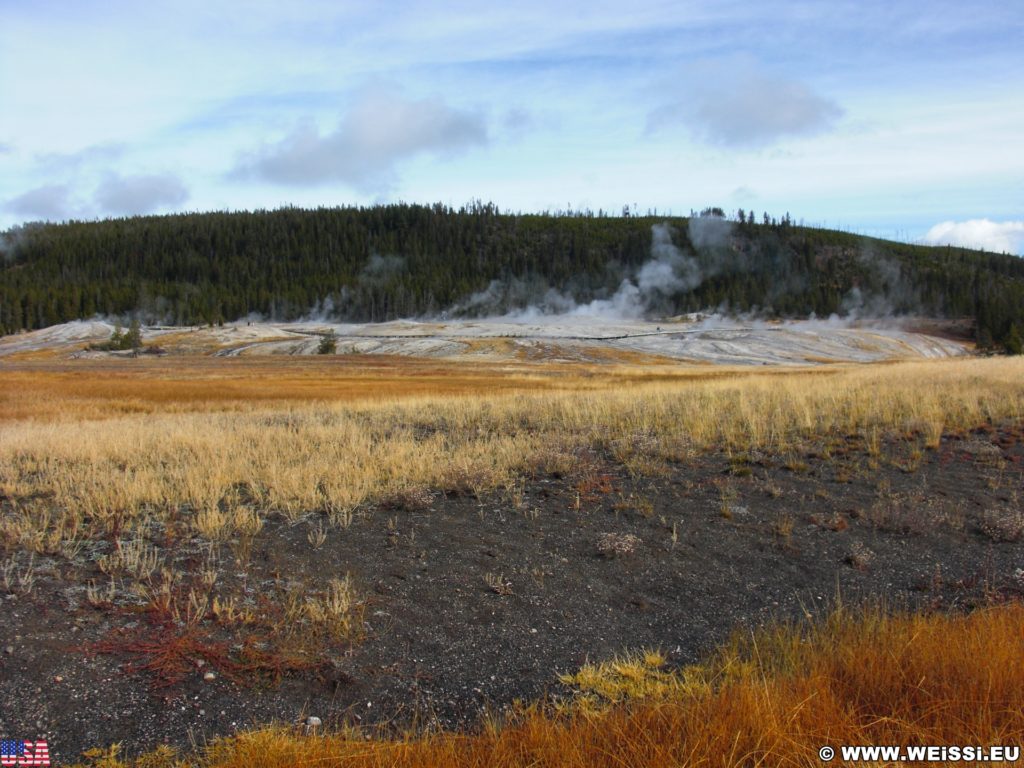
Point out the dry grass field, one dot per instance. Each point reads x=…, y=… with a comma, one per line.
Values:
x=105, y=447
x=164, y=502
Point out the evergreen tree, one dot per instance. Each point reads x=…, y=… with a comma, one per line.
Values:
x=328, y=344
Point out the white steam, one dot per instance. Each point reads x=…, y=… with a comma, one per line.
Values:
x=709, y=231
x=12, y=239
x=669, y=271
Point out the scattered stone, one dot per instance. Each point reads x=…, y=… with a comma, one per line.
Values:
x=612, y=545
x=209, y=677
x=9, y=650
x=859, y=556
x=58, y=679
x=1003, y=523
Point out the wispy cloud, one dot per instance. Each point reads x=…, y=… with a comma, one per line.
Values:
x=998, y=236
x=381, y=129
x=96, y=155
x=736, y=104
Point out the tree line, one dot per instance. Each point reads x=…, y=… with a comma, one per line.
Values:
x=389, y=261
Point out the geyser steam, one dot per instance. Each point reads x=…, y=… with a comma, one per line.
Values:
x=669, y=271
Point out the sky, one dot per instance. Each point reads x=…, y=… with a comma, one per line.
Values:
x=895, y=119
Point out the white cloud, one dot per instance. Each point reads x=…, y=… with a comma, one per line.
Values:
x=116, y=195
x=998, y=236
x=734, y=103
x=381, y=129
x=120, y=195
x=51, y=202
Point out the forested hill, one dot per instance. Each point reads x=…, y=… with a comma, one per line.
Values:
x=385, y=262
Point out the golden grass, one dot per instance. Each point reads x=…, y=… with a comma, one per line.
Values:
x=391, y=434
x=770, y=700
x=100, y=389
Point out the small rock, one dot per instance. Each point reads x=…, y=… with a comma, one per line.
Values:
x=58, y=679
x=9, y=650
x=209, y=676
x=980, y=448
x=617, y=544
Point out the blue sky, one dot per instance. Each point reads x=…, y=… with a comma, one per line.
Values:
x=897, y=119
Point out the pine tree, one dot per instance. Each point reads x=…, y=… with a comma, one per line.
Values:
x=328, y=344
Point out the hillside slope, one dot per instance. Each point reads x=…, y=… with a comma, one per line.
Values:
x=387, y=262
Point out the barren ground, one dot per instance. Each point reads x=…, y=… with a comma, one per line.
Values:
x=693, y=339
x=725, y=543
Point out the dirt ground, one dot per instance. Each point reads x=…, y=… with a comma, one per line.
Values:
x=469, y=604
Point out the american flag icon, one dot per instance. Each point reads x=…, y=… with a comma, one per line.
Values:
x=19, y=752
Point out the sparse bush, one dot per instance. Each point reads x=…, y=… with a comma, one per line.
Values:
x=134, y=557
x=212, y=523
x=337, y=610
x=900, y=513
x=498, y=584
x=834, y=522
x=317, y=535
x=783, y=527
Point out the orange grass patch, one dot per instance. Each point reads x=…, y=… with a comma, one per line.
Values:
x=105, y=388
x=111, y=388
x=770, y=700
